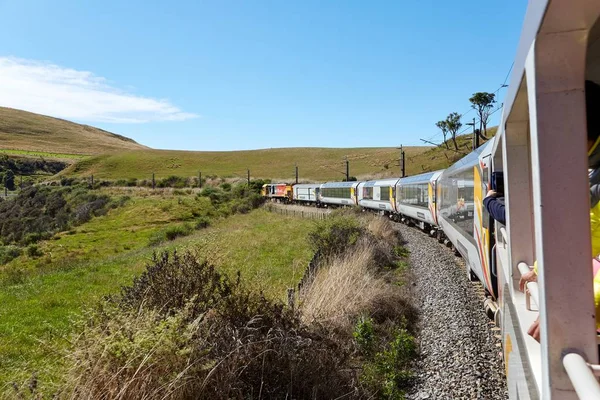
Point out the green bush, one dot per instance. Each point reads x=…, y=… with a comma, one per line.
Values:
x=202, y=222
x=172, y=181
x=173, y=232
x=389, y=372
x=34, y=251
x=333, y=235
x=364, y=334
x=170, y=233
x=182, y=330
x=9, y=253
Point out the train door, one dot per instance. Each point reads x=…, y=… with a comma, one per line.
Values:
x=487, y=225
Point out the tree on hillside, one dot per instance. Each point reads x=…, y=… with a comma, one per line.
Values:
x=9, y=180
x=483, y=102
x=444, y=129
x=453, y=125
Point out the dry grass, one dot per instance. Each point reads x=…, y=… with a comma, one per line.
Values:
x=22, y=130
x=344, y=289
x=382, y=228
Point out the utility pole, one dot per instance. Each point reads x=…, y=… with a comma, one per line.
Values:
x=475, y=144
x=199, y=179
x=248, y=177
x=296, y=164
x=347, y=170
x=402, y=161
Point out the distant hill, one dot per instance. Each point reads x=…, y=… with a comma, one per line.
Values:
x=314, y=163
x=22, y=130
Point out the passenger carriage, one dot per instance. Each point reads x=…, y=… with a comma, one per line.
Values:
x=338, y=194
x=306, y=193
x=378, y=195
x=416, y=199
x=461, y=215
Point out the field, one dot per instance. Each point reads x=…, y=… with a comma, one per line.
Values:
x=314, y=164
x=44, y=296
x=42, y=154
x=22, y=130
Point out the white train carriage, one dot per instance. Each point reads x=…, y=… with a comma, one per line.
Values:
x=306, y=193
x=378, y=195
x=461, y=215
x=416, y=198
x=338, y=194
x=541, y=149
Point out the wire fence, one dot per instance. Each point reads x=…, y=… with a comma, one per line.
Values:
x=299, y=211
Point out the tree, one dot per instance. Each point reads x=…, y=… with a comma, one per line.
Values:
x=9, y=180
x=483, y=102
x=453, y=125
x=444, y=128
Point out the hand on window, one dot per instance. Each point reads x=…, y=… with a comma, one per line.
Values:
x=534, y=330
x=530, y=276
x=491, y=193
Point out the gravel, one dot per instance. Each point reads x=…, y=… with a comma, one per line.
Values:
x=460, y=358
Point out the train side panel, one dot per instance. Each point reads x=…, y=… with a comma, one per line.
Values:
x=377, y=195
x=339, y=193
x=415, y=198
x=461, y=216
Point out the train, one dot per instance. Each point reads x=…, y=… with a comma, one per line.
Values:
x=538, y=157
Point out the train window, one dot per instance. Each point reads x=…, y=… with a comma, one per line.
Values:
x=367, y=193
x=385, y=193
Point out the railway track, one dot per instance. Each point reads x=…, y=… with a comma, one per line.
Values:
x=458, y=343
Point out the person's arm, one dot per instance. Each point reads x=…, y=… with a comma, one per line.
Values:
x=496, y=209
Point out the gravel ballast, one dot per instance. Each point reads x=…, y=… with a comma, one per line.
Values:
x=459, y=354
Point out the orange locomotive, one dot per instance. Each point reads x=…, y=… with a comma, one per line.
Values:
x=278, y=191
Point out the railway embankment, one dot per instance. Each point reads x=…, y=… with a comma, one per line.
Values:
x=459, y=354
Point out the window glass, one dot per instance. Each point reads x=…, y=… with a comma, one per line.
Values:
x=385, y=193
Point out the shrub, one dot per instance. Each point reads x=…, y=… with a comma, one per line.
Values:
x=389, y=372
x=172, y=181
x=173, y=232
x=34, y=251
x=184, y=331
x=170, y=233
x=364, y=334
x=202, y=222
x=9, y=253
x=226, y=186
x=9, y=180
x=333, y=235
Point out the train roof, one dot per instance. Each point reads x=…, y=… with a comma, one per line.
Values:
x=381, y=182
x=340, y=184
x=421, y=178
x=307, y=185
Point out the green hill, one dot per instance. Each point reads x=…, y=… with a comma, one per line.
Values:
x=107, y=155
x=26, y=132
x=315, y=164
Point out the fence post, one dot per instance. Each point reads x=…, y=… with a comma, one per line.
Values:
x=153, y=181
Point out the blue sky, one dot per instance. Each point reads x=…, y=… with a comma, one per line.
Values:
x=228, y=75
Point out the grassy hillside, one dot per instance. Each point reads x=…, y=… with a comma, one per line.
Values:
x=43, y=295
x=315, y=164
x=22, y=130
